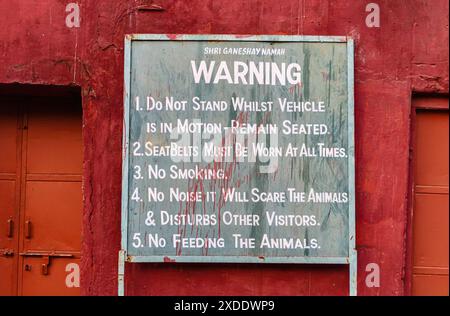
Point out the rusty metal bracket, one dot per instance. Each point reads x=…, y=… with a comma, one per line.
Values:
x=46, y=256
x=10, y=228
x=28, y=229
x=45, y=265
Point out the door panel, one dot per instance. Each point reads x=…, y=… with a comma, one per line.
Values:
x=53, y=207
x=431, y=246
x=8, y=139
x=55, y=283
x=430, y=285
x=432, y=148
x=8, y=244
x=431, y=208
x=54, y=139
x=9, y=220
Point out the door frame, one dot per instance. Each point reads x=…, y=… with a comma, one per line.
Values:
x=19, y=92
x=418, y=102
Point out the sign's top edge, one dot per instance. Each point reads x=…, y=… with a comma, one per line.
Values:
x=242, y=37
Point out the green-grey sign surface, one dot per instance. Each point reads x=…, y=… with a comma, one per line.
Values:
x=238, y=149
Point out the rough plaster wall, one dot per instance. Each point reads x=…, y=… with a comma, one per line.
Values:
x=408, y=53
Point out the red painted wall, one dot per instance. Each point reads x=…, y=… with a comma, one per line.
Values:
x=408, y=53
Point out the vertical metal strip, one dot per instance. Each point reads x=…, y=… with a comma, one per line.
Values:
x=121, y=274
x=125, y=154
x=351, y=169
x=353, y=273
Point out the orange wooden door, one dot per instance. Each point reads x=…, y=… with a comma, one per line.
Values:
x=431, y=203
x=40, y=191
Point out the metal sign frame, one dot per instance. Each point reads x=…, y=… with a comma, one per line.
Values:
x=351, y=260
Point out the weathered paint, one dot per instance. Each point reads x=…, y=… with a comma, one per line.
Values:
x=392, y=61
x=237, y=259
